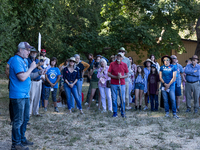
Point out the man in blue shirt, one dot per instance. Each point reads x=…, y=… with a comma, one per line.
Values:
x=179, y=77
x=20, y=82
x=192, y=72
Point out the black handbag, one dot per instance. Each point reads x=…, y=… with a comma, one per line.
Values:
x=108, y=83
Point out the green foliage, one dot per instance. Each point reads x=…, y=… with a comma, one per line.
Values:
x=95, y=26
x=9, y=30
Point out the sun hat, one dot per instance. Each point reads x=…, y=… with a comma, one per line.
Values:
x=167, y=57
x=73, y=59
x=33, y=49
x=194, y=57
x=148, y=60
x=122, y=49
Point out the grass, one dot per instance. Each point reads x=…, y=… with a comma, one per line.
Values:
x=95, y=130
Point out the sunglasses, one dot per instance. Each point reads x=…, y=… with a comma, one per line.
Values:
x=122, y=51
x=71, y=61
x=174, y=58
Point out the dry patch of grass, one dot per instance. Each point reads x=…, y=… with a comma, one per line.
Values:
x=96, y=130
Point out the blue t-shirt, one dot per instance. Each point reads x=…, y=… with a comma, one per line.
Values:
x=52, y=75
x=30, y=60
x=167, y=73
x=10, y=60
x=18, y=89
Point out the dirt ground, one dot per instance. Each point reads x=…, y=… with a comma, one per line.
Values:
x=96, y=130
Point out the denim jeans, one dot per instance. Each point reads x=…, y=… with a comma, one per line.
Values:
x=73, y=91
x=114, y=90
x=42, y=95
x=79, y=89
x=154, y=99
x=172, y=99
x=20, y=109
x=53, y=94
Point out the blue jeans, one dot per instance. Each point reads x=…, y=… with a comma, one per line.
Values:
x=20, y=109
x=172, y=99
x=154, y=98
x=73, y=91
x=42, y=95
x=114, y=90
x=79, y=89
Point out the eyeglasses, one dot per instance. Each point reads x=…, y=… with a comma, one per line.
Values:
x=174, y=58
x=166, y=60
x=122, y=51
x=71, y=61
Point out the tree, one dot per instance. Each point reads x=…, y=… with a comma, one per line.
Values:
x=141, y=23
x=9, y=30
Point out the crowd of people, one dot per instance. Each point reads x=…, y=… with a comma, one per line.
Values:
x=117, y=83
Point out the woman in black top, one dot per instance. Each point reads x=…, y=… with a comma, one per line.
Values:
x=71, y=76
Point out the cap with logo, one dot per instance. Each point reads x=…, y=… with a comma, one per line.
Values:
x=24, y=45
x=43, y=50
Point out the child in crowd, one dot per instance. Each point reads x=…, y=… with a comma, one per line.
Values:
x=153, y=87
x=51, y=84
x=140, y=86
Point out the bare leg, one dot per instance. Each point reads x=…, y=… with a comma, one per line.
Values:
x=91, y=96
x=55, y=104
x=45, y=103
x=136, y=96
x=141, y=94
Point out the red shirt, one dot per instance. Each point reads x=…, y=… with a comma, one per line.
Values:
x=116, y=68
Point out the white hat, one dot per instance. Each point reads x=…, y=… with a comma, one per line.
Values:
x=73, y=59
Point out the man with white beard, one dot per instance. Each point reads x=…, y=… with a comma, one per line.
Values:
x=36, y=84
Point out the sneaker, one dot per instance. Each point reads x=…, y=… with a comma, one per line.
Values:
x=45, y=109
x=86, y=103
x=167, y=115
x=92, y=100
x=56, y=110
x=110, y=111
x=27, y=143
x=97, y=104
x=188, y=110
x=195, y=111
x=123, y=116
x=145, y=108
x=114, y=115
x=81, y=112
x=175, y=116
x=19, y=147
x=128, y=107
x=103, y=111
